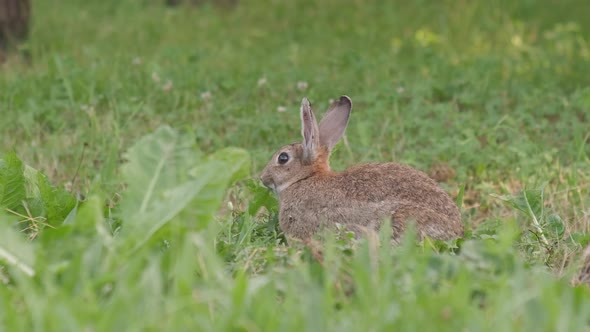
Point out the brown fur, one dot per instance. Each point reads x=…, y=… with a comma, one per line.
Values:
x=361, y=198
x=583, y=276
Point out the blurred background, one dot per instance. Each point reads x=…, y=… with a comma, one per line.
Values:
x=496, y=92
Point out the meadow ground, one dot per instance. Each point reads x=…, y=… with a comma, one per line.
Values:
x=163, y=117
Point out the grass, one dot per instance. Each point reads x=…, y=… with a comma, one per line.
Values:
x=497, y=93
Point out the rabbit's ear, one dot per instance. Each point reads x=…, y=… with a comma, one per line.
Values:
x=334, y=122
x=310, y=131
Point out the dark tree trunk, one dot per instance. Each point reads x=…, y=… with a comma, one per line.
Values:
x=14, y=23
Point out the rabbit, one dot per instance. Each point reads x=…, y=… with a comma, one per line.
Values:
x=312, y=196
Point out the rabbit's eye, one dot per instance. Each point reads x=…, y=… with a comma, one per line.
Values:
x=283, y=158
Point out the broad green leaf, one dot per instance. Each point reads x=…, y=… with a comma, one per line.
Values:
x=143, y=224
x=237, y=164
x=164, y=176
x=221, y=169
x=25, y=190
x=31, y=178
x=262, y=196
x=528, y=201
x=531, y=203
x=12, y=182
x=57, y=202
x=156, y=174
x=155, y=164
x=15, y=251
x=554, y=226
x=89, y=215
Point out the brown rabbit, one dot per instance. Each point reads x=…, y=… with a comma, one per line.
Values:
x=312, y=196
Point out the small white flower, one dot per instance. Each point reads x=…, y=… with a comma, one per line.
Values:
x=206, y=95
x=400, y=89
x=302, y=85
x=89, y=109
x=262, y=81
x=167, y=86
x=281, y=109
x=155, y=77
x=136, y=61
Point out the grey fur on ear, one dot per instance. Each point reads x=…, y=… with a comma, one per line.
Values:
x=309, y=131
x=334, y=122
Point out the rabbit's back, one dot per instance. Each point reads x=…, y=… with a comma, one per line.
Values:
x=365, y=195
x=396, y=182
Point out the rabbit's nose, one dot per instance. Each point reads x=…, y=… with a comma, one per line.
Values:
x=263, y=177
x=266, y=179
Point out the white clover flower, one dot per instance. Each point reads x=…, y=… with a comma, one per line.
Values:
x=155, y=77
x=206, y=96
x=302, y=85
x=167, y=86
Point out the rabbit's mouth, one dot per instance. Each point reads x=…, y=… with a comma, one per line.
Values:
x=274, y=188
x=271, y=186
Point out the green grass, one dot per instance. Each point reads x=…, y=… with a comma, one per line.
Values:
x=499, y=93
